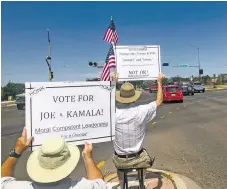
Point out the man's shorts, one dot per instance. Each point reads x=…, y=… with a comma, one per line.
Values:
x=143, y=160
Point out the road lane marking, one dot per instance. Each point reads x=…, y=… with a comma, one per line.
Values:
x=100, y=164
x=163, y=117
x=153, y=123
x=170, y=112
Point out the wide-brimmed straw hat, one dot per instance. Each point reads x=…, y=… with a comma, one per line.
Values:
x=127, y=94
x=53, y=161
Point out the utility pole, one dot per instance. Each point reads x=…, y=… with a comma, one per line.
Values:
x=48, y=58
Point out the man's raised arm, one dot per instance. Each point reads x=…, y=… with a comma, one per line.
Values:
x=159, y=90
x=92, y=171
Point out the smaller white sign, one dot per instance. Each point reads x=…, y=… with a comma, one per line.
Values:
x=138, y=62
x=76, y=111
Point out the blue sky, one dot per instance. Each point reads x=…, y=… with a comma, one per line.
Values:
x=77, y=29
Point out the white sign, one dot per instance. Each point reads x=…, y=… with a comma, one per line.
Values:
x=138, y=62
x=77, y=111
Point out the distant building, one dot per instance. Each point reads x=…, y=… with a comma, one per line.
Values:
x=223, y=78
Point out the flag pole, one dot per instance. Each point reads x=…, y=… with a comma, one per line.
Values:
x=111, y=18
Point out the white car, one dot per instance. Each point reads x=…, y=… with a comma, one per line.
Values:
x=199, y=87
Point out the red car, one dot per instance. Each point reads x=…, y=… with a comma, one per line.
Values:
x=172, y=93
x=153, y=88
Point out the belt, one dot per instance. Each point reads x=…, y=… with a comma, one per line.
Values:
x=129, y=155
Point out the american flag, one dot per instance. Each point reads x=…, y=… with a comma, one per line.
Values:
x=111, y=33
x=109, y=63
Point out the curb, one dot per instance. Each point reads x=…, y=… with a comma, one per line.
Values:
x=8, y=104
x=178, y=181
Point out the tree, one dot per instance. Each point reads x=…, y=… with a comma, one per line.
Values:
x=137, y=83
x=12, y=89
x=2, y=93
x=219, y=81
x=206, y=79
x=165, y=81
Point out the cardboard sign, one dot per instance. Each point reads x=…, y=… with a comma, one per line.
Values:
x=138, y=62
x=76, y=111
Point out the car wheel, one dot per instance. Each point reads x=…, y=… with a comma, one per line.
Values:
x=192, y=94
x=181, y=101
x=203, y=91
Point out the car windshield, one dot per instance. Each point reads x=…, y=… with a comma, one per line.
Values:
x=185, y=83
x=197, y=84
x=172, y=89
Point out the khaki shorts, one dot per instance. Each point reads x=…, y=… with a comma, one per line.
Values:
x=141, y=161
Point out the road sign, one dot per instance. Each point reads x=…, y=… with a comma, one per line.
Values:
x=165, y=64
x=184, y=65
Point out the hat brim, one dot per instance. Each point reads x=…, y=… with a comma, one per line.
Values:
x=127, y=100
x=41, y=175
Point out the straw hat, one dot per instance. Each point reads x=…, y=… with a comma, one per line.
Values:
x=127, y=94
x=53, y=161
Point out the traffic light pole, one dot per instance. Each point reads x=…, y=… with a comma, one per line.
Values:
x=199, y=64
x=48, y=58
x=198, y=54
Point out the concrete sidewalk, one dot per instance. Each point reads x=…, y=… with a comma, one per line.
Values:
x=155, y=179
x=215, y=89
x=8, y=103
x=218, y=87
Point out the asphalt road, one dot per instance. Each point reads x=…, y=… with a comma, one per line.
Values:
x=189, y=138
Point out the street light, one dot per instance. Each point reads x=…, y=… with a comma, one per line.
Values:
x=200, y=70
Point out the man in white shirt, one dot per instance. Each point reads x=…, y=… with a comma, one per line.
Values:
x=51, y=165
x=130, y=126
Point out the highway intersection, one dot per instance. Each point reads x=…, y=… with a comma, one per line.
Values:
x=187, y=138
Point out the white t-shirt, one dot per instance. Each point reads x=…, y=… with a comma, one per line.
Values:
x=131, y=126
x=67, y=183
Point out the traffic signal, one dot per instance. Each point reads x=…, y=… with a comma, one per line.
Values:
x=48, y=58
x=201, y=71
x=165, y=64
x=51, y=75
x=93, y=64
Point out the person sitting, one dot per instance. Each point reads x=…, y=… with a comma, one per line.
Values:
x=51, y=165
x=130, y=128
